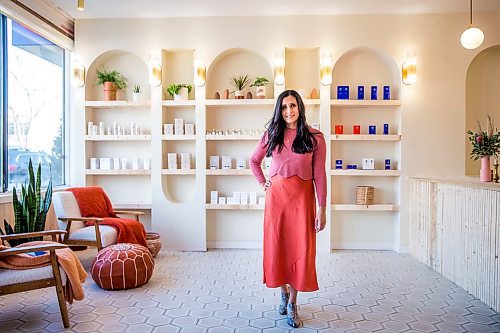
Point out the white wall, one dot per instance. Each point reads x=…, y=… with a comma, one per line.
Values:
x=433, y=109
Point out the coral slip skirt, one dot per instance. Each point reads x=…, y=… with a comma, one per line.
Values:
x=289, y=234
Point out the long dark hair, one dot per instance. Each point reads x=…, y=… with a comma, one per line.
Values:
x=304, y=141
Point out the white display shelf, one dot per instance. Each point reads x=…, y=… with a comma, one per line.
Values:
x=361, y=172
x=131, y=206
x=234, y=207
x=365, y=137
x=230, y=172
x=116, y=172
x=314, y=102
x=178, y=171
x=364, y=103
x=178, y=137
x=374, y=207
x=116, y=104
x=231, y=137
x=189, y=102
x=235, y=102
x=117, y=137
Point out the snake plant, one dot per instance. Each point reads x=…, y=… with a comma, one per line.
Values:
x=30, y=209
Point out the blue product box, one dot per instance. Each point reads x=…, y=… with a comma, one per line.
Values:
x=338, y=166
x=387, y=92
x=352, y=166
x=340, y=90
x=374, y=92
x=386, y=129
x=372, y=129
x=361, y=92
x=337, y=162
x=387, y=164
x=346, y=92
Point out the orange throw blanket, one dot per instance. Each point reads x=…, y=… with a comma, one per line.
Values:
x=65, y=257
x=93, y=202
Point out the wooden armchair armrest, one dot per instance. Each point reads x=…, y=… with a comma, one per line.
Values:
x=83, y=219
x=52, y=233
x=18, y=250
x=129, y=212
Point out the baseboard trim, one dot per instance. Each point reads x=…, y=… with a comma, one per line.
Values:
x=234, y=245
x=364, y=246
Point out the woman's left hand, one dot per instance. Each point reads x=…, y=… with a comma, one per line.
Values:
x=320, y=219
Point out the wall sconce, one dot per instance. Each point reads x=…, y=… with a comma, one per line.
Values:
x=200, y=73
x=409, y=68
x=78, y=74
x=279, y=68
x=325, y=69
x=471, y=38
x=80, y=5
x=154, y=71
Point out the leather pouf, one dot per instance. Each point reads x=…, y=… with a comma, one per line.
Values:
x=122, y=266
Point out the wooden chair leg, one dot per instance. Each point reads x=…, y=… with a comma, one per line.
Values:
x=59, y=289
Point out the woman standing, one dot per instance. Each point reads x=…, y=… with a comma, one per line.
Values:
x=290, y=220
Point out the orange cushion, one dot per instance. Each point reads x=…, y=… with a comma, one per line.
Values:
x=93, y=201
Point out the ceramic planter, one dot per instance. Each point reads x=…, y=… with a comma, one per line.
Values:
x=109, y=91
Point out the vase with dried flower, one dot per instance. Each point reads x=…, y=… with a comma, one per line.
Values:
x=484, y=145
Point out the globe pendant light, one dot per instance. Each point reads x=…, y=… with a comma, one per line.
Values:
x=471, y=38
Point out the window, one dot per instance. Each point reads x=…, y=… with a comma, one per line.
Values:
x=33, y=103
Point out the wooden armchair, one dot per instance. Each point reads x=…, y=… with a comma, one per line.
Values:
x=14, y=281
x=71, y=220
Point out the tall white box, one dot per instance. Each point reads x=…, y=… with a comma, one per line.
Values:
x=116, y=163
x=93, y=163
x=241, y=163
x=105, y=163
x=214, y=197
x=135, y=164
x=185, y=161
x=172, y=161
x=226, y=162
x=124, y=164
x=253, y=198
x=146, y=164
x=237, y=198
x=214, y=162
x=244, y=198
x=178, y=126
x=189, y=128
x=168, y=129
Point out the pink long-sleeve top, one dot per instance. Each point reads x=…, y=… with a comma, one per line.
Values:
x=288, y=164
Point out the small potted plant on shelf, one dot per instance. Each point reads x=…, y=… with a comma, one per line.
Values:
x=484, y=145
x=239, y=83
x=136, y=93
x=112, y=81
x=180, y=91
x=260, y=86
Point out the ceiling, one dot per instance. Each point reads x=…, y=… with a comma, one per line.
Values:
x=198, y=8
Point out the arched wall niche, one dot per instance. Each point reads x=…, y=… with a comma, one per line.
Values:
x=364, y=66
x=482, y=97
x=128, y=64
x=235, y=62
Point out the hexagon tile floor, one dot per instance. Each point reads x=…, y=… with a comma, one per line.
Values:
x=221, y=291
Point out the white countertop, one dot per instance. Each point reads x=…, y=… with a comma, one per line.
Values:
x=468, y=181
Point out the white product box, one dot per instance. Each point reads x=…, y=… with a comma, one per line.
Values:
x=124, y=164
x=95, y=130
x=244, y=198
x=93, y=163
x=101, y=128
x=185, y=161
x=189, y=129
x=172, y=160
x=237, y=197
x=267, y=162
x=135, y=164
x=368, y=164
x=90, y=126
x=105, y=163
x=214, y=197
x=231, y=201
x=222, y=200
x=116, y=163
x=214, y=162
x=179, y=126
x=168, y=129
x=115, y=128
x=226, y=162
x=262, y=201
x=241, y=163
x=146, y=164
x=253, y=198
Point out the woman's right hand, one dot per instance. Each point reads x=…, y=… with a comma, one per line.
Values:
x=266, y=185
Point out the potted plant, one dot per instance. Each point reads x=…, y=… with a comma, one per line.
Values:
x=136, y=93
x=112, y=81
x=239, y=83
x=180, y=91
x=484, y=144
x=30, y=210
x=260, y=86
